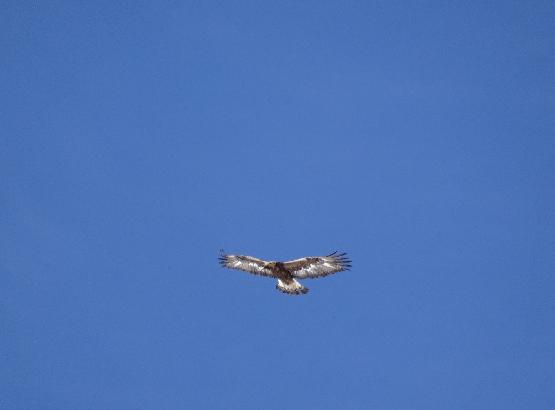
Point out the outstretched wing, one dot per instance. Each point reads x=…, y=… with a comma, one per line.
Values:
x=317, y=266
x=245, y=263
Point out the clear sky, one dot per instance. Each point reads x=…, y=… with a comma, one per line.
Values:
x=138, y=138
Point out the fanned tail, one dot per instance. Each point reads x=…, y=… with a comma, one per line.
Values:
x=291, y=287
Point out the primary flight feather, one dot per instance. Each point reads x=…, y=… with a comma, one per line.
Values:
x=287, y=272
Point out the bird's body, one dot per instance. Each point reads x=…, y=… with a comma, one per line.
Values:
x=287, y=272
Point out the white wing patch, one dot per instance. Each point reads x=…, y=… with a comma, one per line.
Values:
x=318, y=266
x=245, y=263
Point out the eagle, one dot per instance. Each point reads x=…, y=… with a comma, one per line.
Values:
x=288, y=272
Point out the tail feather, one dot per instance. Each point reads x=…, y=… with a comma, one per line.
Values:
x=291, y=287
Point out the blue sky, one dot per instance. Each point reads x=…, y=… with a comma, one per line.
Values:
x=139, y=138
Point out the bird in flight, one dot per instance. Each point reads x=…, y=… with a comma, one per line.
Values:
x=288, y=272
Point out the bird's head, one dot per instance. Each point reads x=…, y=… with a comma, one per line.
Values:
x=271, y=265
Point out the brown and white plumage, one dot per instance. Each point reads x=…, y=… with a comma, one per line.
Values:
x=318, y=266
x=287, y=272
x=245, y=263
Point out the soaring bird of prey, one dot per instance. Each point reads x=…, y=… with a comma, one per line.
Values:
x=288, y=272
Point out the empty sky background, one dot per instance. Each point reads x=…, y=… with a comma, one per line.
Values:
x=138, y=138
